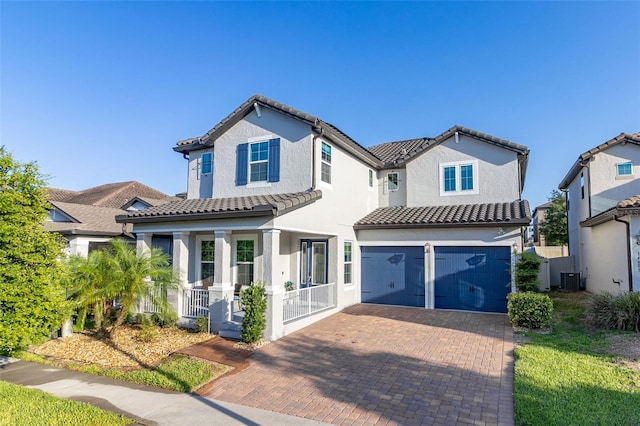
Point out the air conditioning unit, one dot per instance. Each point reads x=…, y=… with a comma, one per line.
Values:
x=569, y=281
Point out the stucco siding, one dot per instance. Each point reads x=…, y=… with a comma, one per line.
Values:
x=498, y=173
x=199, y=185
x=295, y=157
x=605, y=258
x=391, y=198
x=607, y=189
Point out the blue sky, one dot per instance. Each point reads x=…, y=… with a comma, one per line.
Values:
x=99, y=92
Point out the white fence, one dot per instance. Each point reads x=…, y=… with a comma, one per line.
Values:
x=307, y=301
x=195, y=302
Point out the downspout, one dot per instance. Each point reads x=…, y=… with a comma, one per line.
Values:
x=566, y=209
x=628, y=240
x=313, y=157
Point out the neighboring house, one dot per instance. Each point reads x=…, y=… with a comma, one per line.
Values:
x=603, y=214
x=87, y=218
x=278, y=195
x=537, y=219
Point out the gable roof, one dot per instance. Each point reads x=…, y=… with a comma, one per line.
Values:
x=516, y=213
x=113, y=195
x=317, y=125
x=583, y=158
x=627, y=207
x=214, y=208
x=89, y=220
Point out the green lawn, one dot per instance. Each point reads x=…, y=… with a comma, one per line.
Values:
x=566, y=378
x=24, y=406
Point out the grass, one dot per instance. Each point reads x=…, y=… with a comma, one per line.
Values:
x=178, y=373
x=24, y=406
x=566, y=377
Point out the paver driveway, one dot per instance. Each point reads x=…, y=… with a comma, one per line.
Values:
x=372, y=364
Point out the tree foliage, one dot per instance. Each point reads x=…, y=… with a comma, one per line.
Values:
x=554, y=226
x=120, y=274
x=32, y=297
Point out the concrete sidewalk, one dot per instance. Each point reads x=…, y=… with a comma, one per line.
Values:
x=146, y=405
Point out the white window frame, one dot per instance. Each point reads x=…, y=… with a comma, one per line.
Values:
x=350, y=262
x=371, y=179
x=266, y=162
x=199, y=240
x=397, y=188
x=624, y=176
x=234, y=254
x=326, y=162
x=202, y=172
x=458, y=173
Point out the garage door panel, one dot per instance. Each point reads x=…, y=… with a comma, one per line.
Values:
x=472, y=278
x=393, y=275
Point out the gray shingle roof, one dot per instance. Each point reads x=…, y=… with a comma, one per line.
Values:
x=516, y=213
x=208, y=208
x=630, y=202
x=91, y=220
x=586, y=156
x=629, y=206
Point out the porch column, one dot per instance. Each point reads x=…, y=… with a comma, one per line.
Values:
x=180, y=268
x=143, y=242
x=221, y=292
x=272, y=275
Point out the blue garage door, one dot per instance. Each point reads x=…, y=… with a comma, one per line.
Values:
x=472, y=278
x=393, y=275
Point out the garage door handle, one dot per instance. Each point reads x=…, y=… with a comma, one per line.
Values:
x=471, y=289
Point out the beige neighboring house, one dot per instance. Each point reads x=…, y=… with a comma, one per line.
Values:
x=603, y=214
x=87, y=218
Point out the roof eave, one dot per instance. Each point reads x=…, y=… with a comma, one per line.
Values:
x=609, y=215
x=513, y=223
x=183, y=217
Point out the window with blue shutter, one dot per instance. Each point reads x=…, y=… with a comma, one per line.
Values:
x=207, y=163
x=274, y=160
x=242, y=162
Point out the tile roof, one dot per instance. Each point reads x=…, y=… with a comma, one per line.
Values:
x=91, y=220
x=632, y=202
x=516, y=213
x=586, y=156
x=399, y=152
x=113, y=195
x=209, y=208
x=248, y=106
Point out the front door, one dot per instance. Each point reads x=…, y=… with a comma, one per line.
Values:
x=313, y=262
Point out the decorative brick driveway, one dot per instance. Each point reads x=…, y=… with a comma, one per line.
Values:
x=373, y=364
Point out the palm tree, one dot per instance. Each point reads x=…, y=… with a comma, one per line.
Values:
x=120, y=273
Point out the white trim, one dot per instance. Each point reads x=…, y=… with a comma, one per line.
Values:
x=259, y=184
x=457, y=165
x=397, y=181
x=625, y=176
x=327, y=163
x=264, y=138
x=344, y=262
x=199, y=239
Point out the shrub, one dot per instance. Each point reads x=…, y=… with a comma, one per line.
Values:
x=147, y=333
x=610, y=312
x=527, y=269
x=529, y=309
x=165, y=317
x=254, y=300
x=202, y=324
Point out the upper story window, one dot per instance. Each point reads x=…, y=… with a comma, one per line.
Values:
x=325, y=165
x=624, y=169
x=370, y=178
x=459, y=178
x=392, y=181
x=207, y=163
x=258, y=161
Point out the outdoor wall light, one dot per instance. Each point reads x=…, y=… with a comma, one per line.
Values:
x=637, y=237
x=515, y=248
x=427, y=248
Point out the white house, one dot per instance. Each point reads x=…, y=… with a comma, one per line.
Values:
x=278, y=195
x=603, y=214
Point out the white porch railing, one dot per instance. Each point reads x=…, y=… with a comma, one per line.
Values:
x=195, y=302
x=307, y=301
x=154, y=294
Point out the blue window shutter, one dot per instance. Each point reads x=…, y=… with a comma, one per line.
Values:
x=242, y=162
x=274, y=160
